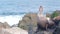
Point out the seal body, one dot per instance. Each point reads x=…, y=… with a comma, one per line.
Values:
x=42, y=22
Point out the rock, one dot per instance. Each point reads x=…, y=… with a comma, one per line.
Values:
x=4, y=32
x=57, y=31
x=26, y=21
x=1, y=25
x=4, y=25
x=16, y=30
x=15, y=25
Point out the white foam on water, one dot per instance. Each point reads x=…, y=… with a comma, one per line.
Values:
x=11, y=19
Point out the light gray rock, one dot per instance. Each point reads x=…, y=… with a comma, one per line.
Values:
x=4, y=32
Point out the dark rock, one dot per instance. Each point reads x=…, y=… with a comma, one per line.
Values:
x=57, y=31
x=15, y=25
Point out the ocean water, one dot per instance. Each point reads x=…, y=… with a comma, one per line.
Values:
x=11, y=19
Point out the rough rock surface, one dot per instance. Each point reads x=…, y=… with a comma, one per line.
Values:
x=14, y=30
x=27, y=19
x=4, y=32
x=4, y=25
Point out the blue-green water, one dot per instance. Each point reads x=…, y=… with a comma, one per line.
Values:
x=8, y=7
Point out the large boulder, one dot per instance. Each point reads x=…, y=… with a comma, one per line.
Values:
x=27, y=19
x=57, y=31
x=13, y=30
x=4, y=32
x=16, y=30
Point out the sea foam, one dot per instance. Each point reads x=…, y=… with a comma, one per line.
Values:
x=11, y=19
